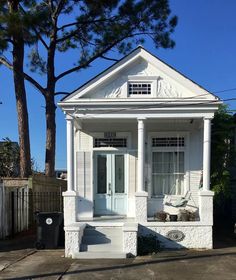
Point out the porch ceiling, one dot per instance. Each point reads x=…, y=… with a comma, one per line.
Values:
x=134, y=121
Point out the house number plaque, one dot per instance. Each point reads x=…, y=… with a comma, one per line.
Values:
x=109, y=134
x=175, y=235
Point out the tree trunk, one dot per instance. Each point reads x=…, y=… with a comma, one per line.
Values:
x=50, y=135
x=20, y=93
x=51, y=109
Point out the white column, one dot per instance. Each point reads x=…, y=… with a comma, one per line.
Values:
x=141, y=154
x=141, y=195
x=70, y=153
x=206, y=153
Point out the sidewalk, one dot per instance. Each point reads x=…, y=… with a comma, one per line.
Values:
x=50, y=264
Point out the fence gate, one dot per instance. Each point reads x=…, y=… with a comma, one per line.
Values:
x=19, y=203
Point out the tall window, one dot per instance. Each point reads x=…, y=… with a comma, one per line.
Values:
x=168, y=166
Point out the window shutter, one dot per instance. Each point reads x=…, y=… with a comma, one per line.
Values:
x=84, y=177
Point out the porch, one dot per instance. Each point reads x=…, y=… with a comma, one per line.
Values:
x=111, y=177
x=113, y=193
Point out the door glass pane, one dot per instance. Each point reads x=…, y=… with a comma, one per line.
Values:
x=119, y=174
x=101, y=174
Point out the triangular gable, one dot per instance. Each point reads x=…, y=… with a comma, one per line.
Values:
x=140, y=65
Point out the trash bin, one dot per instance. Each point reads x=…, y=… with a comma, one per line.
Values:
x=48, y=229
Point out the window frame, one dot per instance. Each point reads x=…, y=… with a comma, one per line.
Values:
x=148, y=85
x=126, y=135
x=143, y=79
x=184, y=149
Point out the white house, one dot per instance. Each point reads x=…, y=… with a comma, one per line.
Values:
x=138, y=139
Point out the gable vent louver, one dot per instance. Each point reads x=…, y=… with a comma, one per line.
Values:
x=139, y=88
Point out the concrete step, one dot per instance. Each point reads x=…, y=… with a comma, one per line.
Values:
x=101, y=248
x=97, y=239
x=101, y=242
x=103, y=230
x=99, y=255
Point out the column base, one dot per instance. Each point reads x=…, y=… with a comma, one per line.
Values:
x=69, y=193
x=206, y=206
x=130, y=236
x=70, y=207
x=141, y=206
x=73, y=238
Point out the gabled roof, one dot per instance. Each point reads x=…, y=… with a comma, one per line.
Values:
x=139, y=52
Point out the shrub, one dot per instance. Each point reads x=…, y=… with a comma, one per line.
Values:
x=148, y=244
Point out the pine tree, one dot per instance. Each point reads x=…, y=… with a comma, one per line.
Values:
x=92, y=28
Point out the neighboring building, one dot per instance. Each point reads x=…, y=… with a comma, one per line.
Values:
x=61, y=174
x=138, y=135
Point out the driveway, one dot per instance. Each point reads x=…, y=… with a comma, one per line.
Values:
x=19, y=263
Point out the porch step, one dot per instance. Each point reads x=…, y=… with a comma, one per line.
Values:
x=100, y=248
x=101, y=242
x=96, y=239
x=103, y=231
x=99, y=255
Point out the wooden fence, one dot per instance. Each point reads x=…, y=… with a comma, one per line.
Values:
x=2, y=212
x=14, y=210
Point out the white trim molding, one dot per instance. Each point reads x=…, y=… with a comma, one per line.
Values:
x=185, y=149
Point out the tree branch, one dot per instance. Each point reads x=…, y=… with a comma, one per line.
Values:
x=109, y=58
x=99, y=54
x=6, y=63
x=36, y=32
x=35, y=84
x=113, y=18
x=62, y=39
x=58, y=8
x=61, y=93
x=74, y=32
x=67, y=25
x=91, y=59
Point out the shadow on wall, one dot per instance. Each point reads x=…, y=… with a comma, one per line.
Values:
x=168, y=242
x=84, y=208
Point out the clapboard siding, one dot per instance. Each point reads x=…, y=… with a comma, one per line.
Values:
x=84, y=141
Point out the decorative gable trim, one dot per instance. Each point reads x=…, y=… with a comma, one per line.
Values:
x=164, y=89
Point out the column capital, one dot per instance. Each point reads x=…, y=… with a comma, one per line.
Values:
x=206, y=193
x=141, y=119
x=207, y=118
x=69, y=117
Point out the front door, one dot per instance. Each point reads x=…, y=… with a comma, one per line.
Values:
x=110, y=188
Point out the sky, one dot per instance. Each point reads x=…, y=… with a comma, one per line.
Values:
x=205, y=52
